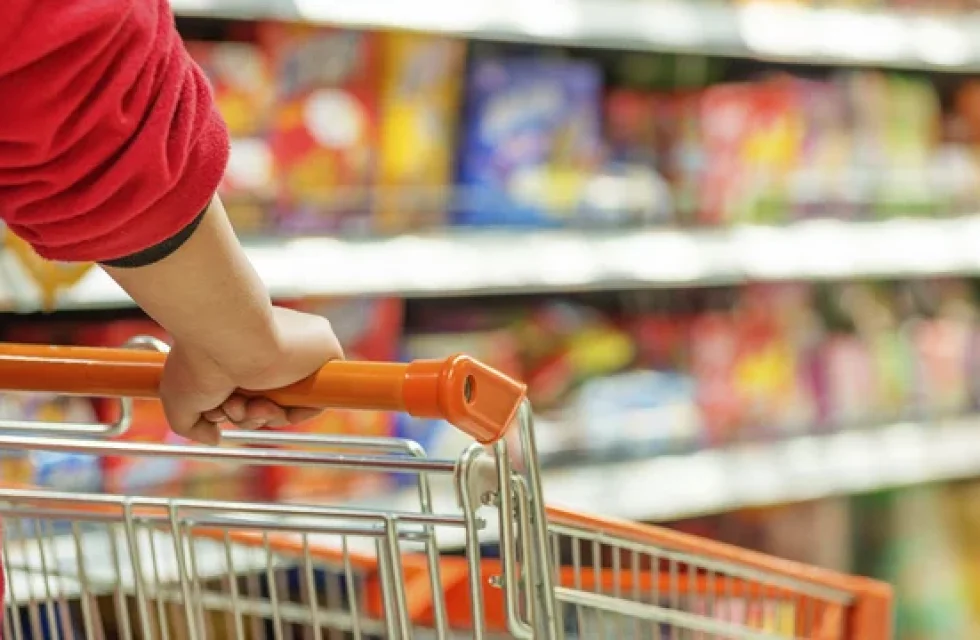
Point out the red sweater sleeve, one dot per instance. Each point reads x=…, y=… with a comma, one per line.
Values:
x=110, y=142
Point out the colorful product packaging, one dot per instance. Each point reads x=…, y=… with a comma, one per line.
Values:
x=244, y=92
x=532, y=143
x=714, y=352
x=942, y=345
x=638, y=192
x=420, y=104
x=68, y=471
x=637, y=413
x=681, y=120
x=821, y=184
x=324, y=129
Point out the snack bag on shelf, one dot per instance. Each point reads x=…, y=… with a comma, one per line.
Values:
x=244, y=91
x=50, y=278
x=907, y=538
x=912, y=116
x=532, y=143
x=894, y=373
x=820, y=184
x=369, y=329
x=637, y=413
x=662, y=340
x=324, y=126
x=681, y=120
x=961, y=505
x=942, y=346
x=753, y=136
x=769, y=372
x=954, y=167
x=849, y=381
x=873, y=315
x=637, y=158
x=566, y=344
x=420, y=104
x=242, y=82
x=714, y=353
x=867, y=97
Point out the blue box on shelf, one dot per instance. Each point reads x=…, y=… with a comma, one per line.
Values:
x=532, y=142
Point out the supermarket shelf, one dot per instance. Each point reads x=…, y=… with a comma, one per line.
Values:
x=799, y=469
x=759, y=29
x=543, y=261
x=708, y=482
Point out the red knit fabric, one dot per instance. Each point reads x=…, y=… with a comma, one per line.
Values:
x=109, y=139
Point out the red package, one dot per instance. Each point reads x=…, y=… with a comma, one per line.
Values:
x=714, y=349
x=324, y=132
x=631, y=127
x=662, y=341
x=752, y=135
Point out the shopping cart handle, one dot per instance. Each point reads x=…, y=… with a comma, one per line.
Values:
x=477, y=399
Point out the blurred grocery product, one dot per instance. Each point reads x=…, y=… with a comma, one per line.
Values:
x=773, y=361
x=65, y=471
x=907, y=538
x=324, y=131
x=531, y=142
x=244, y=91
x=420, y=104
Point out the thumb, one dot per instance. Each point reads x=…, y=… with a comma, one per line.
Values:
x=204, y=432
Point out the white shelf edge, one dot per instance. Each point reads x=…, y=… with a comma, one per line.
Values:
x=709, y=482
x=468, y=262
x=759, y=29
x=794, y=470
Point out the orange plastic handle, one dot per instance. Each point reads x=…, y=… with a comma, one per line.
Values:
x=475, y=398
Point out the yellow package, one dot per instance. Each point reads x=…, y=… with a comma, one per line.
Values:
x=420, y=104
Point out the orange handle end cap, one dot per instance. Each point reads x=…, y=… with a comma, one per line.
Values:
x=473, y=397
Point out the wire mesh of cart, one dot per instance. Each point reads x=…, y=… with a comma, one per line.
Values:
x=99, y=565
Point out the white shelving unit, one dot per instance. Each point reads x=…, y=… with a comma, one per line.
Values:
x=553, y=261
x=758, y=29
x=797, y=469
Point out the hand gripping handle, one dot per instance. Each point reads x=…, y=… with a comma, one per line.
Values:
x=475, y=398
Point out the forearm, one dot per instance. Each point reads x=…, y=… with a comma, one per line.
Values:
x=206, y=294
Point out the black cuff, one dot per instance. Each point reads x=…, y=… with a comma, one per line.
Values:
x=159, y=251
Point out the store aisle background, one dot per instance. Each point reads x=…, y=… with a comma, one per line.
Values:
x=732, y=247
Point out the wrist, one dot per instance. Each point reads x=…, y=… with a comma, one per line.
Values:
x=248, y=349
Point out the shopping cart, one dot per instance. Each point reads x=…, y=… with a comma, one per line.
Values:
x=140, y=566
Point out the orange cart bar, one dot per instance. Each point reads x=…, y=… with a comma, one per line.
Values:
x=82, y=565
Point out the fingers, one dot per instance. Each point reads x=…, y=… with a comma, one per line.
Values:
x=189, y=391
x=249, y=413
x=258, y=413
